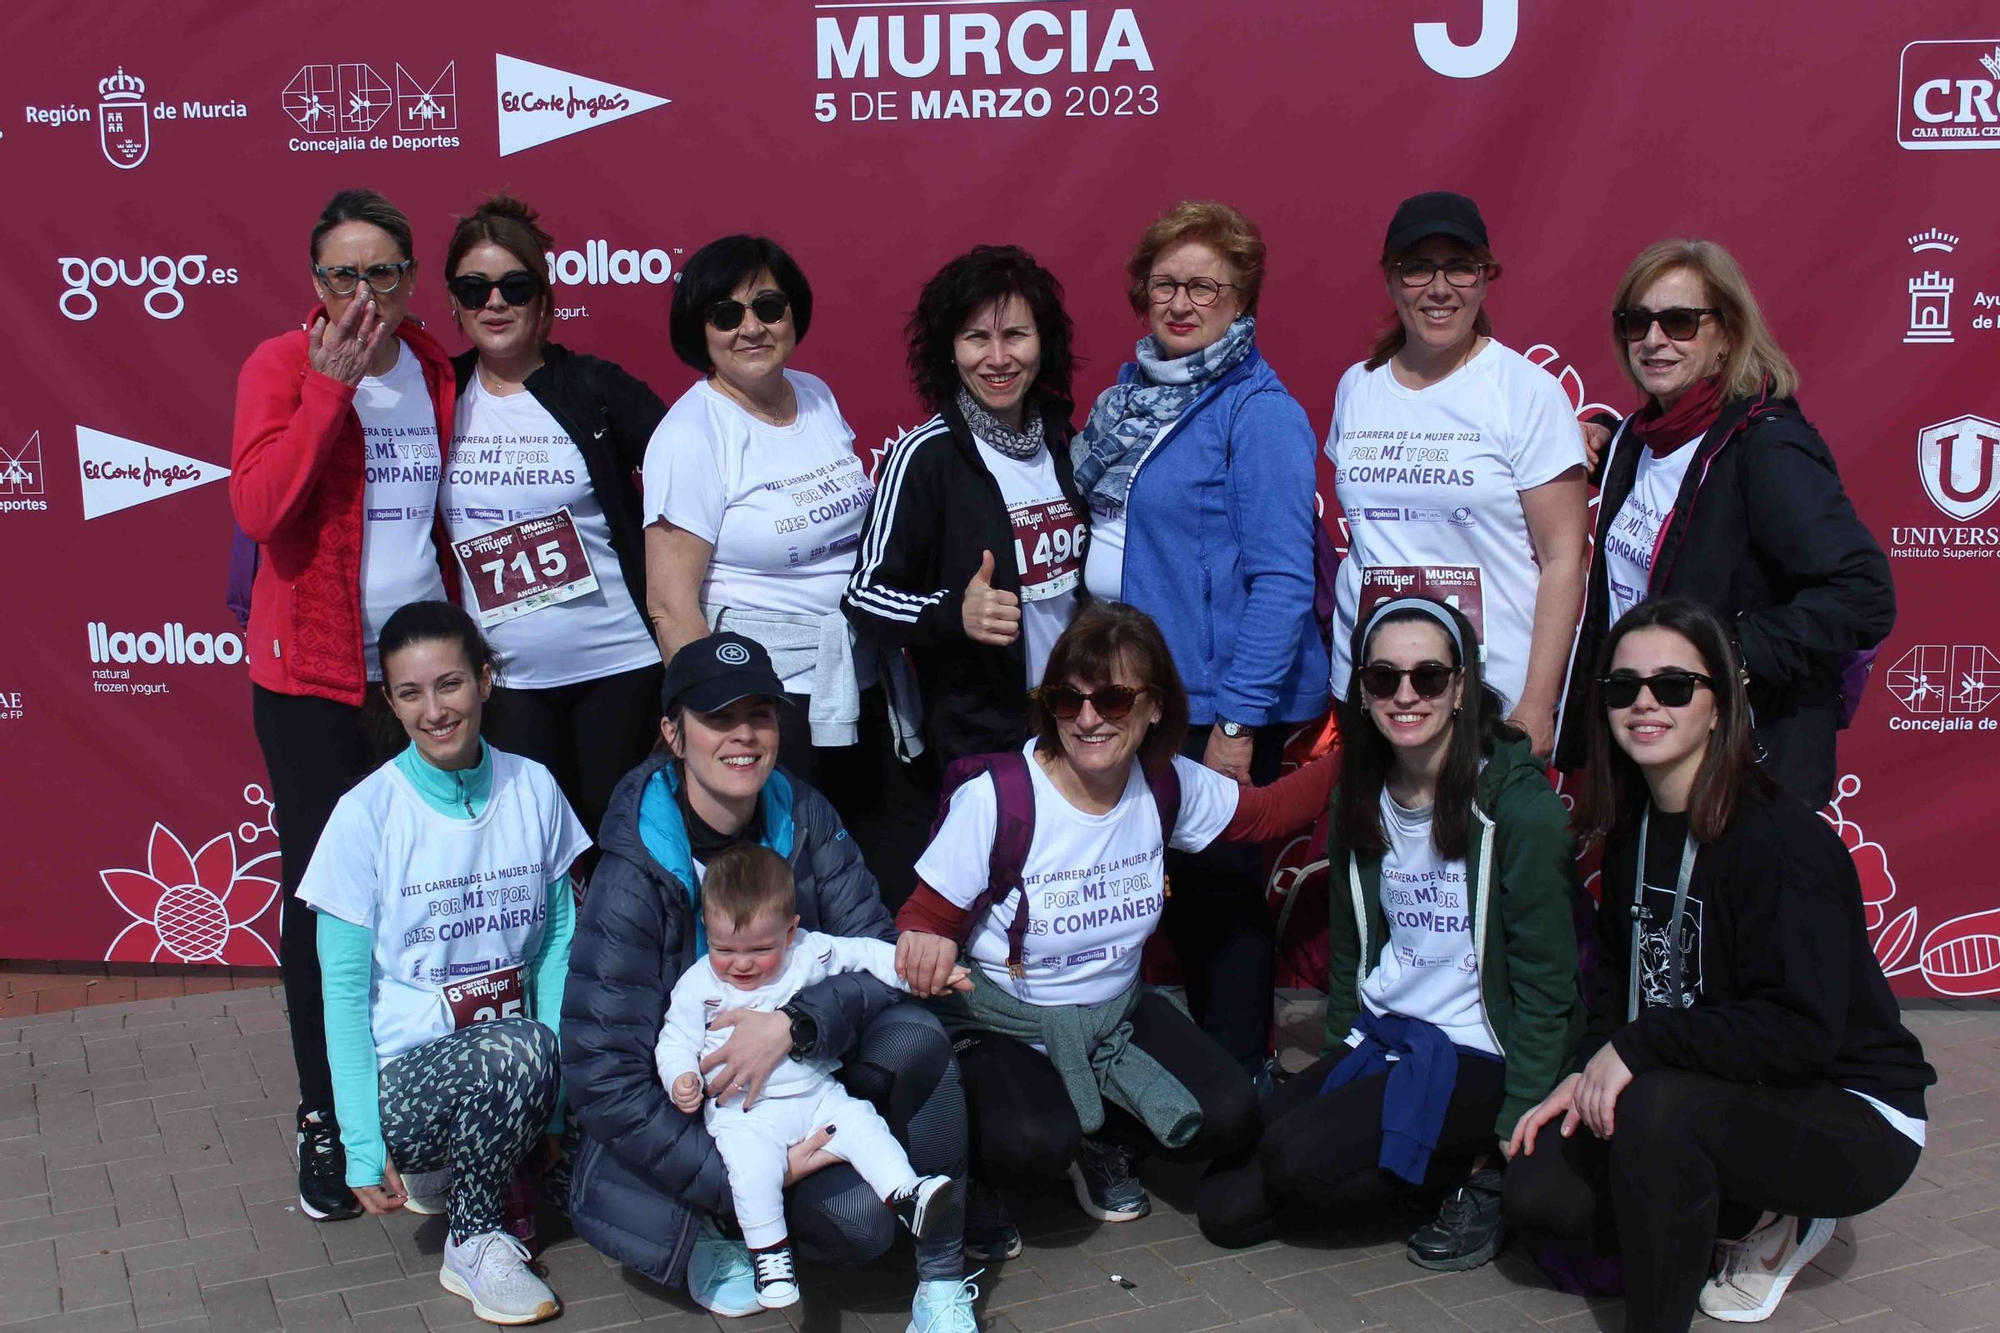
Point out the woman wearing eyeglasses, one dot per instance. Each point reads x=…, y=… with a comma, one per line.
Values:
x=1198, y=469
x=543, y=449
x=1048, y=870
x=1453, y=1003
x=755, y=503
x=334, y=471
x=1718, y=489
x=1746, y=1074
x=1460, y=468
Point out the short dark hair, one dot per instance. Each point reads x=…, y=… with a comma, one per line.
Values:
x=1104, y=636
x=1614, y=790
x=717, y=270
x=968, y=284
x=745, y=882
x=363, y=206
x=431, y=622
x=1368, y=756
x=513, y=226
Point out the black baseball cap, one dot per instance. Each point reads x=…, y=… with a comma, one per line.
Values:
x=715, y=672
x=1439, y=213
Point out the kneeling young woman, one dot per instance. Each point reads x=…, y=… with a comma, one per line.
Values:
x=1049, y=869
x=1452, y=1005
x=442, y=887
x=1748, y=1073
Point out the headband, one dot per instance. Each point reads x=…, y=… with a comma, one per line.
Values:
x=1423, y=604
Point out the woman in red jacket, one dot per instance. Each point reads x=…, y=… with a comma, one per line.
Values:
x=334, y=473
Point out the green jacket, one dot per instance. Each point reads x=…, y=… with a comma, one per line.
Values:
x=1521, y=867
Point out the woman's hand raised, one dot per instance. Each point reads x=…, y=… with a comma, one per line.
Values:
x=345, y=351
x=991, y=615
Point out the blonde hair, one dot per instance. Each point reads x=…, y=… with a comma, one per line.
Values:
x=1753, y=358
x=1211, y=223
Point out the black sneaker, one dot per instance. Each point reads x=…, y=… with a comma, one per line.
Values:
x=1105, y=1187
x=1468, y=1230
x=777, y=1280
x=323, y=1192
x=923, y=1203
x=990, y=1233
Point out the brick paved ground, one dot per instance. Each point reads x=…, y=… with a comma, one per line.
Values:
x=146, y=1182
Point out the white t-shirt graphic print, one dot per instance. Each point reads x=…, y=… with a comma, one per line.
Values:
x=1095, y=882
x=1432, y=477
x=399, y=558
x=1635, y=529
x=1049, y=537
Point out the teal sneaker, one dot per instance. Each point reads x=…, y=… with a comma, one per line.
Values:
x=719, y=1275
x=944, y=1306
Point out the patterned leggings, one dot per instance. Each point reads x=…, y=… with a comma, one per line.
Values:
x=476, y=1101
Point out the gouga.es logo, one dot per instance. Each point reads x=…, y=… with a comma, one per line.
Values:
x=1949, y=95
x=162, y=276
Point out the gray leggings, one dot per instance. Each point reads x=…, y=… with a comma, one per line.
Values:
x=475, y=1100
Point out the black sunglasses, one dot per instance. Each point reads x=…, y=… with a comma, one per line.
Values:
x=517, y=287
x=1112, y=703
x=1679, y=323
x=1428, y=679
x=768, y=307
x=1670, y=689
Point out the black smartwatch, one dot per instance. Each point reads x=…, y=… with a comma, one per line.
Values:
x=805, y=1032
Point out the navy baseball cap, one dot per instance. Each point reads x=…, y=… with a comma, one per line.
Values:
x=715, y=672
x=1439, y=213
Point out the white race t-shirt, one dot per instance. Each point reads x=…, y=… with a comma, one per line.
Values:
x=1095, y=882
x=399, y=558
x=1430, y=482
x=1629, y=542
x=445, y=898
x=510, y=460
x=1429, y=968
x=782, y=505
x=1104, y=561
x=1049, y=537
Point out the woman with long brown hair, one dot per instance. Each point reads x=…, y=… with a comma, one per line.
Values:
x=1746, y=1074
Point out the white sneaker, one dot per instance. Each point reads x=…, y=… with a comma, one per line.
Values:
x=719, y=1274
x=1755, y=1271
x=492, y=1272
x=777, y=1282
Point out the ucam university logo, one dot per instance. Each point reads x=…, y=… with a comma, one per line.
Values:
x=1959, y=464
x=538, y=104
x=1949, y=95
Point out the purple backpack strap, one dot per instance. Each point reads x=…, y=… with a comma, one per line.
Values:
x=1013, y=834
x=1166, y=788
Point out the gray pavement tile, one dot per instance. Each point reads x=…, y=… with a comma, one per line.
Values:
x=242, y=1307
x=18, y=1307
x=1147, y=1276
x=92, y=1280
x=145, y=1201
x=119, y=1238
x=78, y=1187
x=125, y=1120
x=163, y=1294
x=195, y=1249
x=1234, y=1288
x=1186, y=1315
x=1409, y=1309
x=103, y=1319
x=362, y=1237
x=1324, y=1301
x=1071, y=1307
x=1494, y=1314
x=24, y=1175
x=207, y=1211
x=113, y=1150
x=335, y=1278
x=24, y=1206
x=60, y=1224
x=388, y=1295
x=324, y=1313
x=264, y=1262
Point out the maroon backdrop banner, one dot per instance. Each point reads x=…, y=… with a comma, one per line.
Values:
x=166, y=163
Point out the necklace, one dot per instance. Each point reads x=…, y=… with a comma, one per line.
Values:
x=784, y=414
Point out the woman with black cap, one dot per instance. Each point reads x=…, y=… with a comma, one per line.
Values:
x=1460, y=468
x=648, y=1178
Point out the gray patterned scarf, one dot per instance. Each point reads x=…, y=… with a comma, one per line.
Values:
x=1022, y=444
x=1129, y=416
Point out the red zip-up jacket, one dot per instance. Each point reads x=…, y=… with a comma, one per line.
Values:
x=297, y=479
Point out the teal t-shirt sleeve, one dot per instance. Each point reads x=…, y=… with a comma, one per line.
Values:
x=346, y=963
x=550, y=970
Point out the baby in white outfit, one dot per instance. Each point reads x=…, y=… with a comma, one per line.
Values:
x=759, y=959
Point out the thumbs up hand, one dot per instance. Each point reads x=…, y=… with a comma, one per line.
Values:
x=991, y=615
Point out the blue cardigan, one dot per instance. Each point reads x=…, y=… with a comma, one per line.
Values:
x=1219, y=550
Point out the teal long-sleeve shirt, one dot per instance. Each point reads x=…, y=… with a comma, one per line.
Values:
x=346, y=964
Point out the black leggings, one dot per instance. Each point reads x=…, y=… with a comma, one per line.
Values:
x=903, y=1066
x=315, y=751
x=589, y=735
x=1317, y=1160
x=1220, y=927
x=888, y=806
x=1024, y=1126
x=1693, y=1157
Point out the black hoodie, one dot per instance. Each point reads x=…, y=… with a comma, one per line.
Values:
x=1773, y=947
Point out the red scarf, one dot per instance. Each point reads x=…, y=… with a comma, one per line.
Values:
x=1689, y=419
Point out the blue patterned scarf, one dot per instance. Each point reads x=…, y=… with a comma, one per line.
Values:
x=1129, y=416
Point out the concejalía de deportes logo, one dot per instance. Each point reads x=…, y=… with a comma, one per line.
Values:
x=162, y=277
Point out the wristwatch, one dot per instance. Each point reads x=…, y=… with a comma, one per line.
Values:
x=1232, y=729
x=805, y=1032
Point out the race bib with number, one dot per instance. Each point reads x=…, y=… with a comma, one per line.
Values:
x=486, y=997
x=1048, y=546
x=1454, y=585
x=523, y=567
